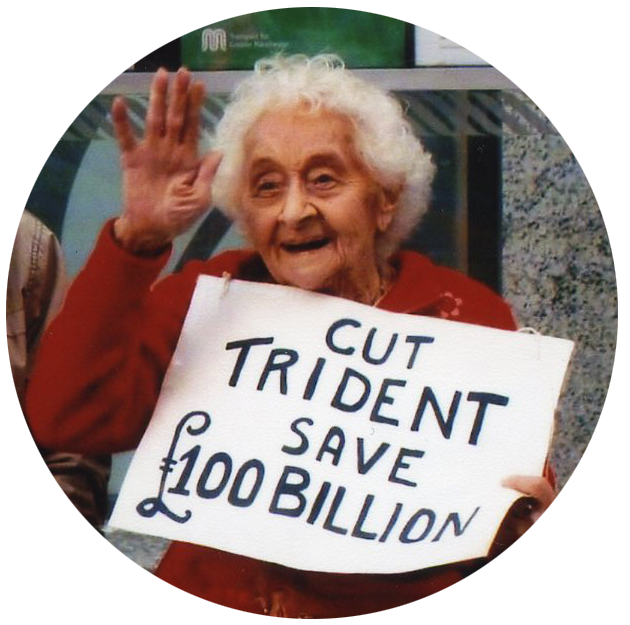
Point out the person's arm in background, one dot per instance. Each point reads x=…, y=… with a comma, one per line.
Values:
x=36, y=288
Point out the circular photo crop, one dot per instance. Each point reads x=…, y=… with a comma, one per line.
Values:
x=309, y=322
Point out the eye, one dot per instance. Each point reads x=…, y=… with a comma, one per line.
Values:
x=323, y=181
x=267, y=187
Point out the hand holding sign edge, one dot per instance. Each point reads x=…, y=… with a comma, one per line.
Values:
x=539, y=494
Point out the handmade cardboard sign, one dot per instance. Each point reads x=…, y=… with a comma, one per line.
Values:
x=326, y=435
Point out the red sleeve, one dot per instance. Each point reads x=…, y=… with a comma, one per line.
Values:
x=102, y=360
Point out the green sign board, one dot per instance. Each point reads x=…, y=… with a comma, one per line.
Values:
x=360, y=39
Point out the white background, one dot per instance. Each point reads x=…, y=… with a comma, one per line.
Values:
x=570, y=58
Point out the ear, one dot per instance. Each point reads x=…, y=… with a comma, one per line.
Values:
x=387, y=207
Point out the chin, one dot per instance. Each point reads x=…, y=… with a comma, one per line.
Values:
x=306, y=282
x=310, y=278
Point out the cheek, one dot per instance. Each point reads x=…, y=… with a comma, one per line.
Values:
x=358, y=227
x=256, y=227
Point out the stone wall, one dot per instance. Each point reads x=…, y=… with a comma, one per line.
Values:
x=558, y=274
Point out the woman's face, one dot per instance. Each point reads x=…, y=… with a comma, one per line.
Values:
x=310, y=207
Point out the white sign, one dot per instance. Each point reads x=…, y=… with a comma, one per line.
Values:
x=326, y=435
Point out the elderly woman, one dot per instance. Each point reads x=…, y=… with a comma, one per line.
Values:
x=325, y=178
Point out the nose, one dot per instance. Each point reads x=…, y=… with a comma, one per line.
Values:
x=297, y=206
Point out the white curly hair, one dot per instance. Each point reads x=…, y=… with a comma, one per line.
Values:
x=383, y=138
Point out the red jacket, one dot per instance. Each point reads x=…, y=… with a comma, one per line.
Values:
x=98, y=376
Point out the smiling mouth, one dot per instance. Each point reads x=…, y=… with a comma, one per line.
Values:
x=305, y=246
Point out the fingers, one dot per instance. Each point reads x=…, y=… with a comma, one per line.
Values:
x=156, y=114
x=174, y=113
x=532, y=486
x=122, y=128
x=208, y=168
x=204, y=176
x=177, y=104
x=190, y=134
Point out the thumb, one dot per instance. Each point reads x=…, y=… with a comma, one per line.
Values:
x=208, y=168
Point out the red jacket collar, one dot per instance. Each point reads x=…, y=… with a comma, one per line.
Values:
x=417, y=286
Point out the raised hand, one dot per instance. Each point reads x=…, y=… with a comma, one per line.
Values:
x=166, y=184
